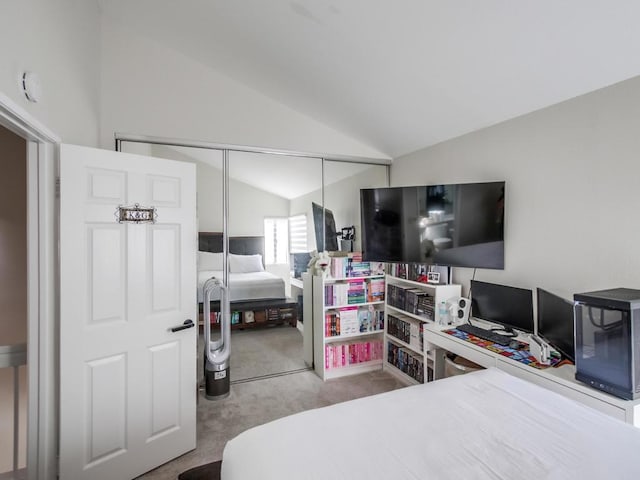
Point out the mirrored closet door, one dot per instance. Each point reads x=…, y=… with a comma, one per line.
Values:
x=282, y=208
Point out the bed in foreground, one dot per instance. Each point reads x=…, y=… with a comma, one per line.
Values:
x=483, y=425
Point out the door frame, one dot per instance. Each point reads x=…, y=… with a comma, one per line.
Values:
x=42, y=290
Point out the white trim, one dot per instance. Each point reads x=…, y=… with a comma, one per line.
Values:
x=33, y=309
x=41, y=287
x=20, y=122
x=123, y=137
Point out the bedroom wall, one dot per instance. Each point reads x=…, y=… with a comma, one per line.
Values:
x=148, y=89
x=13, y=285
x=58, y=41
x=572, y=193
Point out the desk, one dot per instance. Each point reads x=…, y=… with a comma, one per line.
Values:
x=560, y=380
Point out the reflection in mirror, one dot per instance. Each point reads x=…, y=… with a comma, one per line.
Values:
x=272, y=201
x=265, y=195
x=280, y=198
x=208, y=172
x=342, y=184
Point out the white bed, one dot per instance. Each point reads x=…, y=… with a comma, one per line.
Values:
x=245, y=286
x=483, y=425
x=248, y=279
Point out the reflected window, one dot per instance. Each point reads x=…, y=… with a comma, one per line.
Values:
x=276, y=241
x=298, y=234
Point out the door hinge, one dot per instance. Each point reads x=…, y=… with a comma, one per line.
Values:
x=57, y=187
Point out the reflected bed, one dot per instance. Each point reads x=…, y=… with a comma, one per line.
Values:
x=248, y=280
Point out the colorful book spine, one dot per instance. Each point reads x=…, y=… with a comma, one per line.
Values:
x=353, y=353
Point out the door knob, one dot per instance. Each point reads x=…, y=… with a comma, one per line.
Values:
x=188, y=323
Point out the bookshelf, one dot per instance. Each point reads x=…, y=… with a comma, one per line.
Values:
x=348, y=324
x=409, y=306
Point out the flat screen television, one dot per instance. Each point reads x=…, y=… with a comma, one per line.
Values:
x=556, y=323
x=457, y=225
x=510, y=307
x=324, y=225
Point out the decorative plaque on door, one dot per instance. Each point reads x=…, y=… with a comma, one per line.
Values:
x=136, y=214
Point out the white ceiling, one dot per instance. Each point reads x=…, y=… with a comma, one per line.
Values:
x=405, y=74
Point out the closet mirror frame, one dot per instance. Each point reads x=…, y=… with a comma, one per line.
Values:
x=327, y=160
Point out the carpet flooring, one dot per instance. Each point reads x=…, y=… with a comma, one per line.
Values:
x=263, y=352
x=261, y=400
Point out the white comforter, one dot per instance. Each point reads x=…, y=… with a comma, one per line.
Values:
x=483, y=425
x=245, y=286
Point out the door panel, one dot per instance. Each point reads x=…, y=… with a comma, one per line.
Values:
x=105, y=186
x=164, y=396
x=106, y=408
x=165, y=191
x=165, y=267
x=107, y=282
x=127, y=384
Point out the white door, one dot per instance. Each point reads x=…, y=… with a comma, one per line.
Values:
x=127, y=383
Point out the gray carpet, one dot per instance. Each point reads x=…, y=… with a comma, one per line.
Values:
x=267, y=351
x=259, y=401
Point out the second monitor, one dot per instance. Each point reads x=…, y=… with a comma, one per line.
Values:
x=555, y=323
x=510, y=307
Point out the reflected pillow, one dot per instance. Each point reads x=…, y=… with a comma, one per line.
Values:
x=209, y=261
x=245, y=263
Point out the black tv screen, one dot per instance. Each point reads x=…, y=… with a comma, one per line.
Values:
x=555, y=323
x=324, y=225
x=458, y=225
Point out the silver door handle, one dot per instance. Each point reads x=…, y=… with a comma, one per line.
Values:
x=187, y=324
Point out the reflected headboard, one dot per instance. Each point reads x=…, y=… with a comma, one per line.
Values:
x=212, y=242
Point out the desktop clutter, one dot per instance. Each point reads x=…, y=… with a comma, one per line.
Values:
x=456, y=313
x=508, y=307
x=598, y=332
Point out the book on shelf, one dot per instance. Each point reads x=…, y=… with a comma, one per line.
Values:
x=348, y=320
x=354, y=291
x=375, y=290
x=405, y=361
x=370, y=319
x=344, y=354
x=408, y=331
x=412, y=300
x=351, y=265
x=331, y=324
x=352, y=320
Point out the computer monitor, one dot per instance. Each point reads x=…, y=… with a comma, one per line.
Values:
x=556, y=322
x=510, y=307
x=299, y=263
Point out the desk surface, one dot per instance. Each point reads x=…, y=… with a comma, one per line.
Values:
x=296, y=282
x=561, y=379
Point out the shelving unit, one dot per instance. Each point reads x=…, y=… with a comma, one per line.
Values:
x=255, y=314
x=347, y=327
x=409, y=306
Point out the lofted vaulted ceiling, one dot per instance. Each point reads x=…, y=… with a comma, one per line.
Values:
x=405, y=74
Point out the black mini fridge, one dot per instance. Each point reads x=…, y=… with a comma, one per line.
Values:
x=607, y=336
